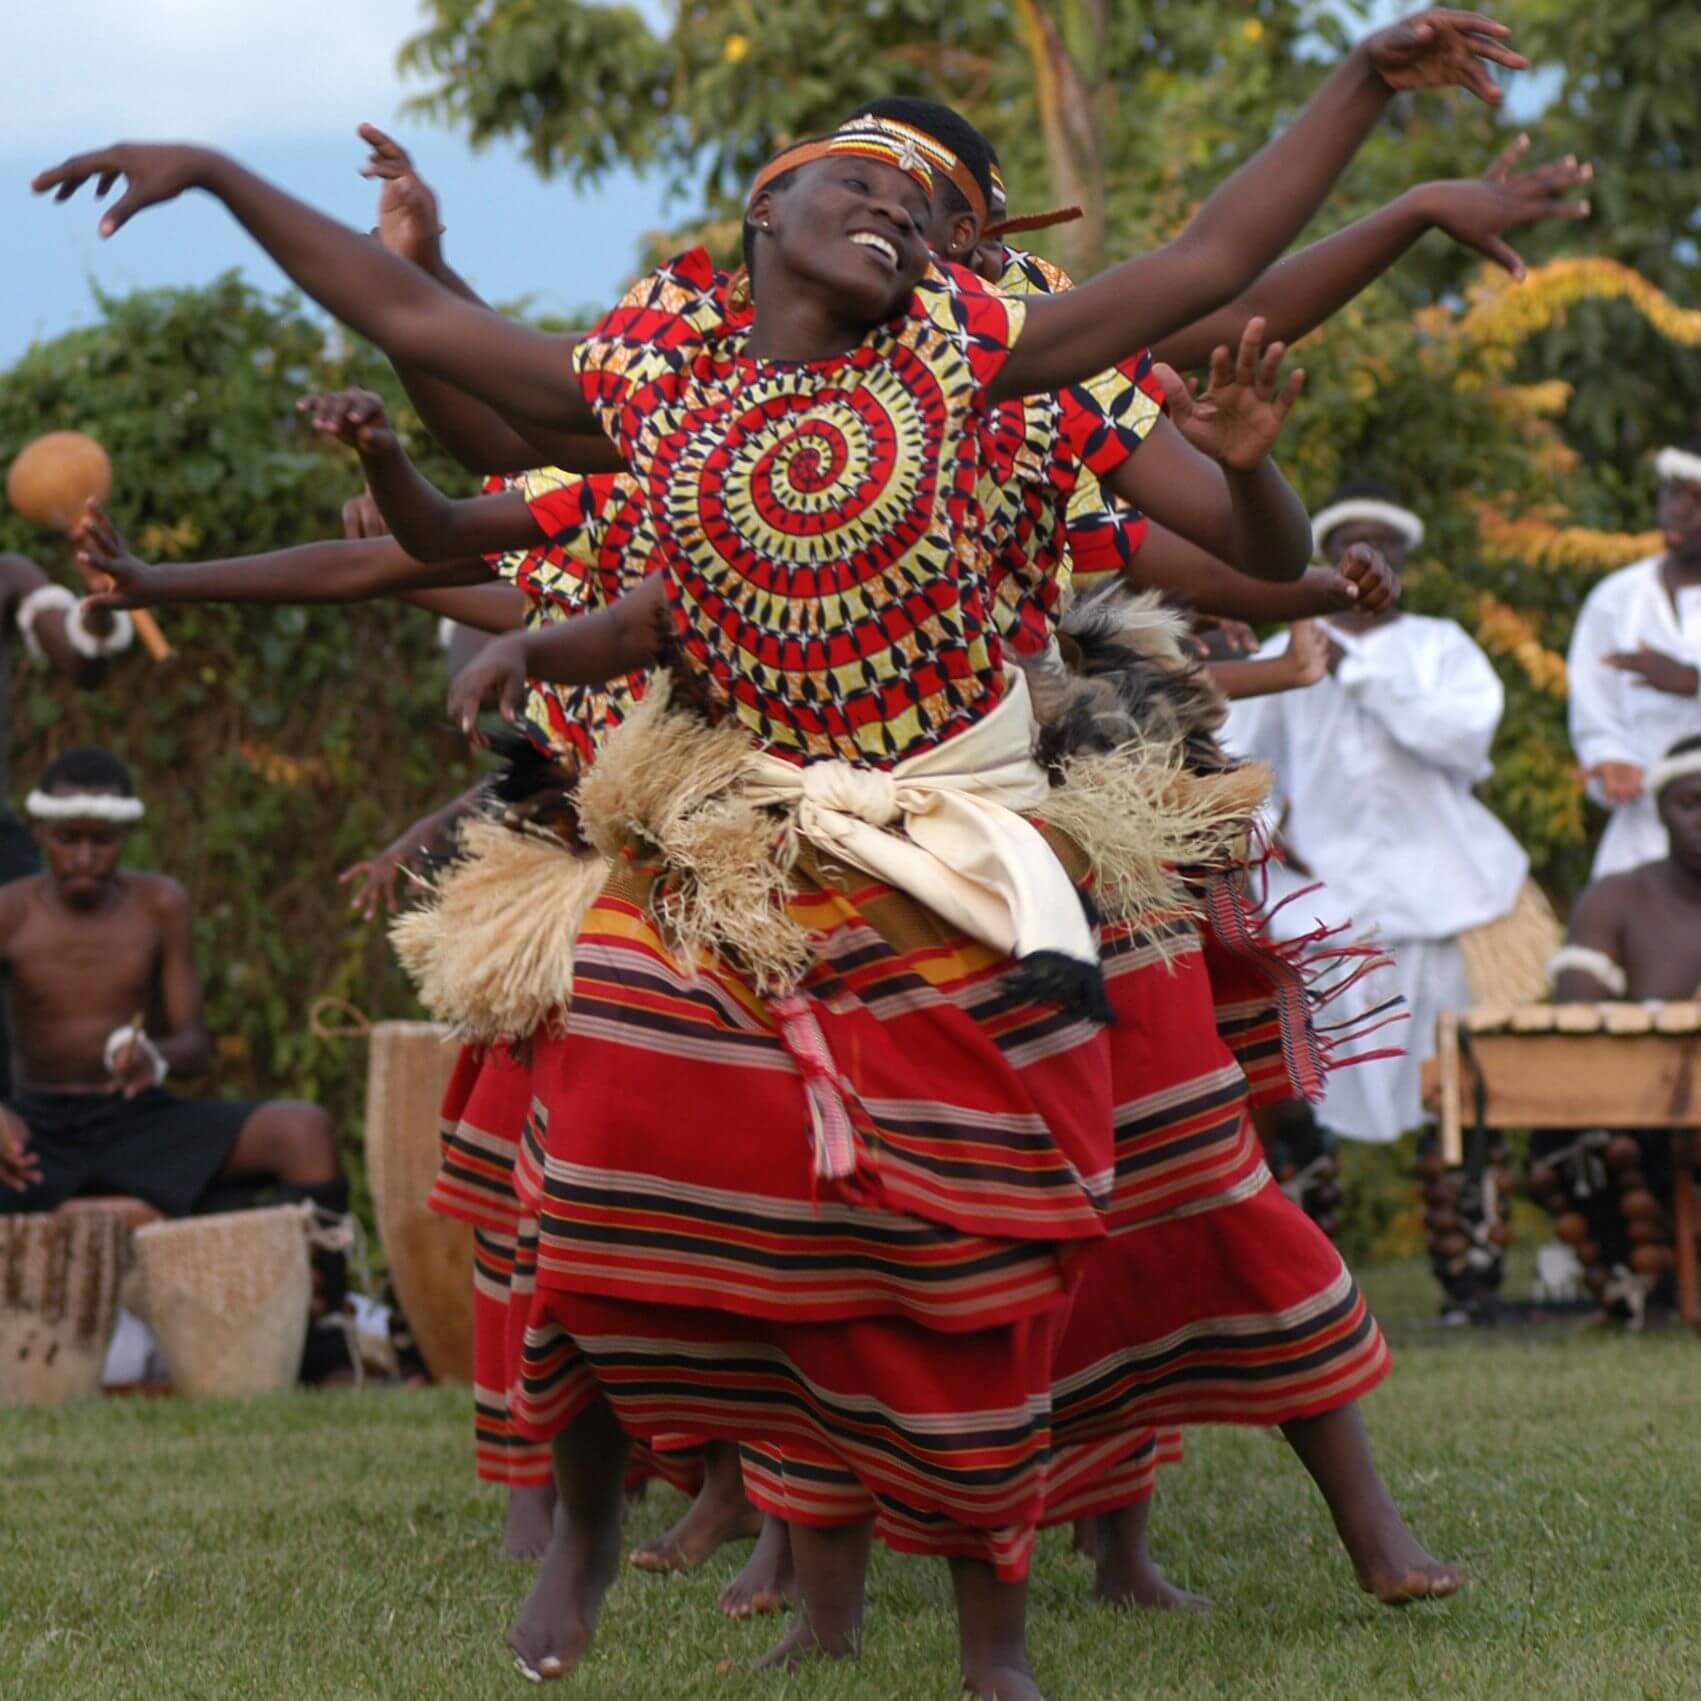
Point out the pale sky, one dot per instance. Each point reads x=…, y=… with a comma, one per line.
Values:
x=281, y=84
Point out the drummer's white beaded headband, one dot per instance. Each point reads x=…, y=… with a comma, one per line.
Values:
x=1389, y=514
x=1672, y=768
x=1677, y=466
x=83, y=806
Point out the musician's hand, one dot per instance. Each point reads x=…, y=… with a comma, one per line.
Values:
x=153, y=173
x=20, y=1168
x=1620, y=782
x=1658, y=671
x=1443, y=48
x=497, y=675
x=133, y=1069
x=354, y=417
x=1307, y=653
x=116, y=578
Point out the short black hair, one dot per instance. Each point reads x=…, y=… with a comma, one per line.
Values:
x=88, y=767
x=950, y=129
x=1366, y=490
x=1685, y=745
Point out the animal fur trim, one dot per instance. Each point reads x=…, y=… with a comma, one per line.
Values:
x=1120, y=674
x=490, y=949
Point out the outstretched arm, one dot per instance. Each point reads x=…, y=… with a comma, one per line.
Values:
x=1256, y=213
x=623, y=638
x=19, y=578
x=427, y=524
x=336, y=570
x=1187, y=574
x=485, y=608
x=410, y=227
x=412, y=317
x=1297, y=294
x=377, y=875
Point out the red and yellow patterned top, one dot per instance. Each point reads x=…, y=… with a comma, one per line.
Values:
x=1051, y=520
x=819, y=522
x=595, y=550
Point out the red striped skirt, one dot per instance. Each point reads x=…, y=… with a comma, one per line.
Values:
x=1214, y=1299
x=485, y=1107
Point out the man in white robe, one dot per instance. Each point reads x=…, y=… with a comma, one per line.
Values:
x=1635, y=670
x=1374, y=769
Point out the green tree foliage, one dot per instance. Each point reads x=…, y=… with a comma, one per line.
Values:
x=280, y=744
x=1138, y=111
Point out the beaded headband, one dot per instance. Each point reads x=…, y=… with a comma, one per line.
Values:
x=83, y=806
x=871, y=138
x=1677, y=466
x=1389, y=514
x=1663, y=773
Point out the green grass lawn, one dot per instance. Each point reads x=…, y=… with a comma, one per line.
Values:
x=336, y=1547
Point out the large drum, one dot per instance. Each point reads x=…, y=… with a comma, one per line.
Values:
x=228, y=1297
x=431, y=1256
x=59, y=1281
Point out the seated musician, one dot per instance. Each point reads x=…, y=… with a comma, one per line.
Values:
x=105, y=1007
x=1634, y=936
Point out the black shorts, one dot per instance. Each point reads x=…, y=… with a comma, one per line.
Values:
x=155, y=1146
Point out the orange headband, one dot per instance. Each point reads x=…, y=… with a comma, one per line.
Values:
x=912, y=151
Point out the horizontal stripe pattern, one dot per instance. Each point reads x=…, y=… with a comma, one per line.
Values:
x=484, y=1110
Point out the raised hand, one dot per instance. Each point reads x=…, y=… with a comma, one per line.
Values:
x=354, y=417
x=1242, y=411
x=408, y=222
x=116, y=578
x=1657, y=670
x=153, y=173
x=497, y=674
x=1444, y=49
x=361, y=517
x=1476, y=211
x=1620, y=782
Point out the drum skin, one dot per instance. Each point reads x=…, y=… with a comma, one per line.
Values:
x=59, y=1281
x=430, y=1256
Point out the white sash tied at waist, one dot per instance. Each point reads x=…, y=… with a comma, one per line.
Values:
x=946, y=828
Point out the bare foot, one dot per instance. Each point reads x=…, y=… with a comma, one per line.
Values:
x=1086, y=1540
x=800, y=1645
x=768, y=1583
x=1142, y=1584
x=1393, y=1565
x=559, y=1617
x=1002, y=1683
x=720, y=1514
x=527, y=1529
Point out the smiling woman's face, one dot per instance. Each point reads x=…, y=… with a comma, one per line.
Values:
x=853, y=227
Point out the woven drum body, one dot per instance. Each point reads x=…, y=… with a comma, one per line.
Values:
x=228, y=1297
x=431, y=1257
x=1506, y=960
x=59, y=1280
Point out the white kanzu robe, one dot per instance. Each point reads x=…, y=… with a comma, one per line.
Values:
x=1614, y=718
x=1374, y=767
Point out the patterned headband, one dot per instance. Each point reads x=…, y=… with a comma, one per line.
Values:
x=912, y=151
x=1671, y=768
